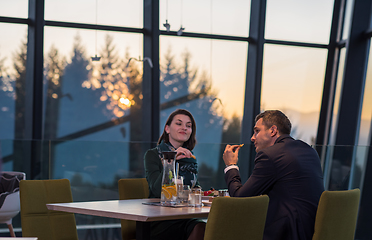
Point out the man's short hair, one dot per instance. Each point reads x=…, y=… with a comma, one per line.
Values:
x=277, y=118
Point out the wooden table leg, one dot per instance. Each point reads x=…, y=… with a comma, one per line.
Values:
x=143, y=230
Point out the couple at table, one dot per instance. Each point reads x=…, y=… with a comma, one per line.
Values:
x=287, y=170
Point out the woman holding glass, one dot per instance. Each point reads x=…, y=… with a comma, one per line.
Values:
x=178, y=135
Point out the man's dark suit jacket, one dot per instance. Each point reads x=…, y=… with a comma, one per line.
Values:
x=289, y=172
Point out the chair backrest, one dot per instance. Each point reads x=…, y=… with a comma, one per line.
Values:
x=237, y=218
x=337, y=214
x=131, y=188
x=9, y=195
x=36, y=219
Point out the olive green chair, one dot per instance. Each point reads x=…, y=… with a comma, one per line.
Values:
x=237, y=218
x=131, y=188
x=36, y=219
x=336, y=216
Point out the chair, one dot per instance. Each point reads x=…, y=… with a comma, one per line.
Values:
x=131, y=188
x=9, y=197
x=337, y=215
x=36, y=219
x=237, y=218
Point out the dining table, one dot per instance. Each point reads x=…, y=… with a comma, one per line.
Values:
x=143, y=211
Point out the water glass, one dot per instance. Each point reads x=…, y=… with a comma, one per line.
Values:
x=195, y=197
x=179, y=181
x=183, y=192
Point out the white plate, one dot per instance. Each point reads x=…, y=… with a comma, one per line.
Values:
x=205, y=198
x=207, y=203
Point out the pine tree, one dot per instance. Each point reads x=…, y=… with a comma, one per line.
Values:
x=169, y=79
x=7, y=98
x=54, y=76
x=20, y=89
x=79, y=65
x=80, y=106
x=113, y=82
x=19, y=64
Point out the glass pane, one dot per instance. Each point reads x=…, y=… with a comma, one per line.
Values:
x=103, y=12
x=347, y=18
x=213, y=17
x=340, y=167
x=293, y=82
x=303, y=21
x=194, y=76
x=13, y=52
x=194, y=66
x=336, y=104
x=14, y=8
x=82, y=94
x=365, y=126
x=92, y=100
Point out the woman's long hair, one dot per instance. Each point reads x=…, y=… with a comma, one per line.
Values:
x=190, y=143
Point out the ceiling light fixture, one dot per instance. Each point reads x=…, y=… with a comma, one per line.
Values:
x=139, y=60
x=180, y=31
x=96, y=58
x=166, y=24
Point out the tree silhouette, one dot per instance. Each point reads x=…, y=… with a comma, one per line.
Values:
x=7, y=97
x=19, y=64
x=169, y=79
x=53, y=76
x=78, y=69
x=80, y=98
x=113, y=80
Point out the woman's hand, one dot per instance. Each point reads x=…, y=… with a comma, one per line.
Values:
x=230, y=155
x=183, y=153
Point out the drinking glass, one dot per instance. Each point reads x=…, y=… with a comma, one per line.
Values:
x=183, y=192
x=195, y=197
x=179, y=181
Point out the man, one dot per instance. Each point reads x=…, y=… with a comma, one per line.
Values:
x=287, y=170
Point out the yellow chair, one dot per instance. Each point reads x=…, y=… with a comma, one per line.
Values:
x=336, y=216
x=131, y=188
x=237, y=218
x=36, y=219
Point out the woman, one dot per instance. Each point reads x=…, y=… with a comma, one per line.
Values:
x=178, y=135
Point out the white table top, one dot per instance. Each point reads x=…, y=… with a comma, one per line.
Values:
x=131, y=210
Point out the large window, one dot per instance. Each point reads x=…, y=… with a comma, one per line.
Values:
x=336, y=104
x=300, y=21
x=89, y=100
x=364, y=131
x=125, y=13
x=292, y=82
x=206, y=77
x=18, y=8
x=81, y=93
x=13, y=54
x=212, y=17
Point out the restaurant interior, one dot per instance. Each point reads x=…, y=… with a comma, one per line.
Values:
x=86, y=88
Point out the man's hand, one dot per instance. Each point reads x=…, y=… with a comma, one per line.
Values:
x=230, y=155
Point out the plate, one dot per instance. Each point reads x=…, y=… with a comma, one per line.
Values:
x=205, y=198
x=207, y=203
